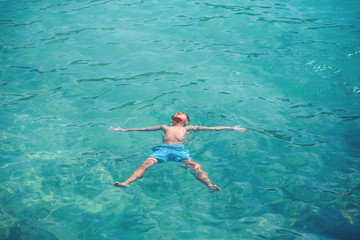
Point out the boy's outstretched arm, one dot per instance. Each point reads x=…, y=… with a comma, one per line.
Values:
x=217, y=128
x=156, y=128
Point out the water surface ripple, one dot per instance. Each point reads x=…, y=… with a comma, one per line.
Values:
x=286, y=70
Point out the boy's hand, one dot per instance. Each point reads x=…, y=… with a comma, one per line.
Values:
x=111, y=129
x=238, y=128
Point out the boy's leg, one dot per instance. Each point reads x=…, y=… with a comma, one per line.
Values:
x=138, y=173
x=200, y=174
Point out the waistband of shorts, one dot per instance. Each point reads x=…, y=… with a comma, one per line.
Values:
x=171, y=146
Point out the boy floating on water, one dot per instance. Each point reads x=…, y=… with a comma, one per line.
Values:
x=173, y=148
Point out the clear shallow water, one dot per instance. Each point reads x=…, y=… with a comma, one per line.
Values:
x=286, y=70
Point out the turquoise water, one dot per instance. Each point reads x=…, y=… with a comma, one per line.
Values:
x=286, y=70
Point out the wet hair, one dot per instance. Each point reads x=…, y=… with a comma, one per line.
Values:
x=187, y=117
x=183, y=113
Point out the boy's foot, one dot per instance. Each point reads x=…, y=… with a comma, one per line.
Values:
x=214, y=188
x=121, y=185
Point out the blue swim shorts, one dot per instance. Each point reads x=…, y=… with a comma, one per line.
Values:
x=164, y=153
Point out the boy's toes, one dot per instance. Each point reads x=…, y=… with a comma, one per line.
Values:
x=121, y=185
x=214, y=188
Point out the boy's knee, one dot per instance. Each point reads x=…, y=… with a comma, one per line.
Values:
x=148, y=163
x=196, y=167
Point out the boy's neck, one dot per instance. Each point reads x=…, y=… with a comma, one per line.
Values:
x=178, y=125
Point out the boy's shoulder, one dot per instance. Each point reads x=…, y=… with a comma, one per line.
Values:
x=163, y=126
x=191, y=128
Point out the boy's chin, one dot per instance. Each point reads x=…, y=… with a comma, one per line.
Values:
x=176, y=120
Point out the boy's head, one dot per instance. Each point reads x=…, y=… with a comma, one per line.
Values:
x=180, y=117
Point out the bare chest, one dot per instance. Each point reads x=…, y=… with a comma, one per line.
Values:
x=175, y=133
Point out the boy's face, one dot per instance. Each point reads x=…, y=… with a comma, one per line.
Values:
x=180, y=117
